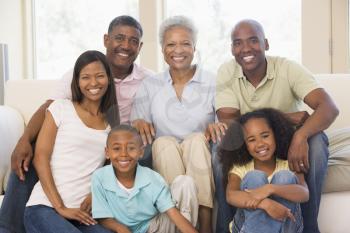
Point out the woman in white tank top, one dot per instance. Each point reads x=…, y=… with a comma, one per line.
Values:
x=70, y=147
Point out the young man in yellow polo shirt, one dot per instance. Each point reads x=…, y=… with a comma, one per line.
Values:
x=253, y=80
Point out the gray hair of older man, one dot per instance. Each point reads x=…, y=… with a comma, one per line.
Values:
x=177, y=21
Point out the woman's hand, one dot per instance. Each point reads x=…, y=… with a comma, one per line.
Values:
x=260, y=193
x=145, y=129
x=215, y=131
x=76, y=214
x=86, y=204
x=276, y=210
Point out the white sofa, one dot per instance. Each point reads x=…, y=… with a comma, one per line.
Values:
x=23, y=97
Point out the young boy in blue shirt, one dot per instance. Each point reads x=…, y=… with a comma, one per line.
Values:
x=127, y=197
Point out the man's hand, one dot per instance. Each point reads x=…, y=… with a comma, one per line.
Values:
x=76, y=214
x=145, y=129
x=276, y=210
x=298, y=154
x=21, y=157
x=86, y=204
x=215, y=131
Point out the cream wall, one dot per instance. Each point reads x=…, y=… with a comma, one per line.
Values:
x=320, y=18
x=325, y=41
x=12, y=34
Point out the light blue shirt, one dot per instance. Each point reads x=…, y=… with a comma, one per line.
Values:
x=156, y=102
x=149, y=196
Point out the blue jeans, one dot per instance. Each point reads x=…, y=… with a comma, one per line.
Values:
x=318, y=159
x=16, y=197
x=256, y=221
x=146, y=159
x=225, y=211
x=44, y=219
x=18, y=193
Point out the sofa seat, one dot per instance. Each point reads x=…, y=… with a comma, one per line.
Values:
x=23, y=97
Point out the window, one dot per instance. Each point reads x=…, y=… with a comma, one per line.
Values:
x=215, y=19
x=64, y=29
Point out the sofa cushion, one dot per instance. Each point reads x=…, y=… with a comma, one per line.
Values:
x=11, y=128
x=338, y=173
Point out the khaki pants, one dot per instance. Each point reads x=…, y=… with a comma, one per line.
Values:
x=184, y=192
x=190, y=157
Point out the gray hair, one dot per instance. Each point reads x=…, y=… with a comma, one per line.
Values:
x=177, y=21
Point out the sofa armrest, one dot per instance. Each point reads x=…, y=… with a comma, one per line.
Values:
x=11, y=129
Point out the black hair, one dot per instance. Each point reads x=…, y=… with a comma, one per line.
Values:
x=125, y=20
x=233, y=150
x=109, y=104
x=127, y=128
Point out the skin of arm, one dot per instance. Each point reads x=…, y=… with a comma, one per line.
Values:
x=245, y=200
x=44, y=147
x=41, y=161
x=113, y=225
x=180, y=221
x=228, y=115
x=325, y=112
x=23, y=152
x=293, y=192
x=238, y=198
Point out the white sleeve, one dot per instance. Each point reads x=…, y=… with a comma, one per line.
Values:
x=56, y=109
x=63, y=90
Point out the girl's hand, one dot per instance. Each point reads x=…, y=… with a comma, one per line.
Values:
x=86, y=204
x=260, y=193
x=277, y=211
x=76, y=214
x=252, y=203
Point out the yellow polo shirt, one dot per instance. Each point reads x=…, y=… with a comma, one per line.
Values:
x=241, y=171
x=284, y=87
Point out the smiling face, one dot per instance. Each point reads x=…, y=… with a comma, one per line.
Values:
x=124, y=149
x=123, y=45
x=260, y=139
x=249, y=46
x=178, y=48
x=93, y=81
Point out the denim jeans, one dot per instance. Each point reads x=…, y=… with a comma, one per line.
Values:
x=16, y=197
x=225, y=211
x=256, y=221
x=44, y=219
x=318, y=159
x=146, y=159
x=18, y=193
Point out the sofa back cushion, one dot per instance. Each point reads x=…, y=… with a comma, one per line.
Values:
x=27, y=95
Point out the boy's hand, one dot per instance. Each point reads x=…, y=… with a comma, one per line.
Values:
x=86, y=204
x=276, y=210
x=76, y=214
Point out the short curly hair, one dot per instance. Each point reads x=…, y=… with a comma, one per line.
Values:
x=233, y=150
x=177, y=21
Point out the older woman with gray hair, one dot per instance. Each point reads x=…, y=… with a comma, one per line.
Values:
x=176, y=108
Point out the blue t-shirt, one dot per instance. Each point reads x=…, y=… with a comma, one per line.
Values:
x=149, y=197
